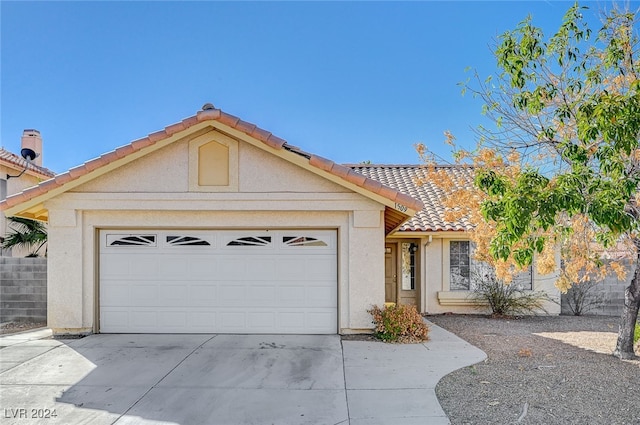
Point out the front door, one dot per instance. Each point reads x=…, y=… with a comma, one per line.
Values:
x=400, y=273
x=390, y=273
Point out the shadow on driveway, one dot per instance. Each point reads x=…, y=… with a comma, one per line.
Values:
x=227, y=379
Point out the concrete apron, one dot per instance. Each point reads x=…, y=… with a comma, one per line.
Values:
x=225, y=379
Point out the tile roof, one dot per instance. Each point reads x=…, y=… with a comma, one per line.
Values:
x=211, y=114
x=19, y=163
x=406, y=178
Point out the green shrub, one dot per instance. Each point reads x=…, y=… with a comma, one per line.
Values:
x=636, y=335
x=506, y=299
x=399, y=323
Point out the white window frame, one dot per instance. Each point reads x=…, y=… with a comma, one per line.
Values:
x=446, y=255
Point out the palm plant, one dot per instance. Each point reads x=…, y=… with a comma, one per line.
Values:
x=25, y=233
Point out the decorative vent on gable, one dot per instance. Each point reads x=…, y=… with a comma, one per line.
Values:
x=186, y=241
x=251, y=241
x=302, y=241
x=131, y=240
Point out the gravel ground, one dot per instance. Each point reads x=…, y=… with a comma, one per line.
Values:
x=14, y=327
x=541, y=370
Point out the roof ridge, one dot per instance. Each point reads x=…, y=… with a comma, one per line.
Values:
x=210, y=113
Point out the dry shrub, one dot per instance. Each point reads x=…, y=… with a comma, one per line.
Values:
x=399, y=323
x=507, y=300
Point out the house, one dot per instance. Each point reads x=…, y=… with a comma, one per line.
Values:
x=429, y=259
x=17, y=174
x=214, y=225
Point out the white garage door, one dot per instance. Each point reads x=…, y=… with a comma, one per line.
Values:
x=173, y=281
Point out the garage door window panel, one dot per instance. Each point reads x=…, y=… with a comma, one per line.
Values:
x=302, y=241
x=131, y=240
x=251, y=241
x=186, y=241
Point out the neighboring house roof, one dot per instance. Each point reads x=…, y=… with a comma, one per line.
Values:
x=413, y=181
x=28, y=203
x=14, y=161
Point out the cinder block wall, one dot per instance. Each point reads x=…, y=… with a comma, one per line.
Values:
x=23, y=289
x=609, y=292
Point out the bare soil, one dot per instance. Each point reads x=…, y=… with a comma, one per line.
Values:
x=541, y=370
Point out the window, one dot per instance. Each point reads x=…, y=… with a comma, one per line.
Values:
x=464, y=270
x=408, y=252
x=3, y=189
x=459, y=266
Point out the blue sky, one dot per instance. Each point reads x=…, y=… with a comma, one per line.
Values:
x=349, y=81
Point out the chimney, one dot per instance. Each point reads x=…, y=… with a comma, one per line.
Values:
x=31, y=139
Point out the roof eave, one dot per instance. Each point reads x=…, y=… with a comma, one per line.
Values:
x=24, y=203
x=66, y=181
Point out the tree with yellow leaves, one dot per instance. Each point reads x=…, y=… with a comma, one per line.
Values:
x=561, y=170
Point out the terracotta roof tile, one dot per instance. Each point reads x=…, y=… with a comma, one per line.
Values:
x=209, y=114
x=404, y=178
x=174, y=128
x=93, y=164
x=372, y=185
x=387, y=192
x=358, y=178
x=125, y=150
x=78, y=171
x=339, y=171
x=14, y=199
x=50, y=184
x=191, y=121
x=141, y=143
x=108, y=157
x=260, y=134
x=245, y=127
x=355, y=178
x=321, y=163
x=60, y=179
x=275, y=142
x=157, y=136
x=228, y=119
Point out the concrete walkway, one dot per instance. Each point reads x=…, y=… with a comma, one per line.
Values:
x=225, y=379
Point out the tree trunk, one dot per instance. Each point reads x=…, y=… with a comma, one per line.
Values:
x=624, y=346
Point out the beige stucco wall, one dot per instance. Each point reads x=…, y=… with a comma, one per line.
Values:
x=153, y=193
x=167, y=171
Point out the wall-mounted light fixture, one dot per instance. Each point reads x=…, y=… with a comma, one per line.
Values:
x=28, y=155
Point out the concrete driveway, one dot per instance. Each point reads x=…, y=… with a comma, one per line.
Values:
x=225, y=379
